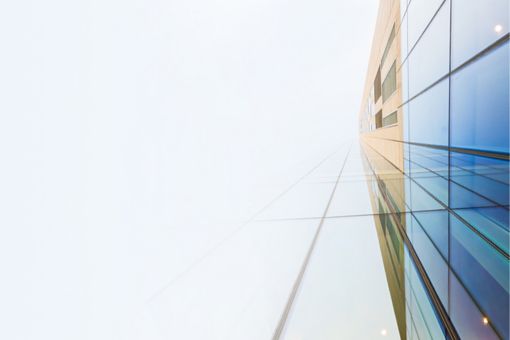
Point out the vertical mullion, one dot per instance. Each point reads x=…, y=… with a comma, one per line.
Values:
x=449, y=155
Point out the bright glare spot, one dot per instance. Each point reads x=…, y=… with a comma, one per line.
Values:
x=384, y=332
x=485, y=321
x=498, y=28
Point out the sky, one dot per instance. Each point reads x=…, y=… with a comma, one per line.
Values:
x=136, y=135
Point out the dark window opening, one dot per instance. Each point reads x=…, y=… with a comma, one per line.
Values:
x=378, y=120
x=390, y=119
x=377, y=85
x=390, y=83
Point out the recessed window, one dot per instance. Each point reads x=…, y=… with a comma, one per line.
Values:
x=377, y=85
x=390, y=119
x=390, y=83
x=388, y=45
x=378, y=120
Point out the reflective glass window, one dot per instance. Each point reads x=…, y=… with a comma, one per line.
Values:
x=403, y=7
x=418, y=199
x=420, y=306
x=342, y=273
x=403, y=38
x=435, y=224
x=496, y=169
x=493, y=190
x=436, y=186
x=479, y=103
x=420, y=13
x=491, y=222
x=405, y=122
x=429, y=160
x=465, y=315
x=430, y=59
x=428, y=116
x=483, y=271
x=461, y=197
x=475, y=25
x=430, y=257
x=404, y=72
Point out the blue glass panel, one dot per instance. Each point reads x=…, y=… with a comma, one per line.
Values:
x=430, y=257
x=465, y=315
x=497, y=215
x=436, y=186
x=460, y=197
x=435, y=224
x=487, y=187
x=490, y=167
x=479, y=103
x=421, y=308
x=418, y=171
x=428, y=116
x=475, y=25
x=483, y=271
x=491, y=222
x=419, y=199
x=430, y=59
x=485, y=175
x=473, y=162
x=502, y=177
x=436, y=162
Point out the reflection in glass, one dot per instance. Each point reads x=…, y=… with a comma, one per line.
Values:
x=461, y=242
x=430, y=58
x=346, y=285
x=486, y=176
x=475, y=25
x=465, y=314
x=430, y=256
x=428, y=116
x=479, y=103
x=483, y=271
x=420, y=307
x=420, y=13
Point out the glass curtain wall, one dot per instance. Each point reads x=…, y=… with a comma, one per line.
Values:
x=454, y=211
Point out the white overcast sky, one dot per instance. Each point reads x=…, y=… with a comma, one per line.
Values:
x=136, y=134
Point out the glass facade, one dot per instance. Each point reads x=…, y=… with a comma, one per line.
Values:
x=442, y=179
x=479, y=103
x=404, y=235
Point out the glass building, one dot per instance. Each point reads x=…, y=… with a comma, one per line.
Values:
x=434, y=127
x=404, y=235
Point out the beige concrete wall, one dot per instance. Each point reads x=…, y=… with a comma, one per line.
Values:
x=380, y=139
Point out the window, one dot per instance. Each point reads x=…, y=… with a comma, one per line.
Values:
x=430, y=59
x=377, y=85
x=479, y=103
x=403, y=38
x=487, y=275
x=388, y=45
x=390, y=119
x=419, y=13
x=428, y=116
x=378, y=120
x=475, y=25
x=390, y=83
